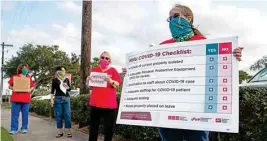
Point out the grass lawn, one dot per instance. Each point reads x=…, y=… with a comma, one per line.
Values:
x=6, y=105
x=5, y=135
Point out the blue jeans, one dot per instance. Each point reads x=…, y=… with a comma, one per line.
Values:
x=16, y=108
x=167, y=134
x=62, y=111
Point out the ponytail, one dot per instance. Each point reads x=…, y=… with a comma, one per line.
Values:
x=196, y=31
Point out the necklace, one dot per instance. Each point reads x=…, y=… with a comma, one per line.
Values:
x=184, y=38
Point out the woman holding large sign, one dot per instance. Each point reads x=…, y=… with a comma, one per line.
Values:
x=104, y=81
x=21, y=85
x=181, y=26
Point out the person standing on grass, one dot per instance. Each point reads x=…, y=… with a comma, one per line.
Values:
x=103, y=100
x=20, y=101
x=60, y=100
x=181, y=27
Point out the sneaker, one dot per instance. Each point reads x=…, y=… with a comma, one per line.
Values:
x=13, y=132
x=23, y=131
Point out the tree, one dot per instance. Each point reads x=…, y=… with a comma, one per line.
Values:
x=244, y=75
x=42, y=60
x=259, y=64
x=95, y=62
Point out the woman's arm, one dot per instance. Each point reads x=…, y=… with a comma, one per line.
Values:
x=53, y=87
x=116, y=79
x=10, y=82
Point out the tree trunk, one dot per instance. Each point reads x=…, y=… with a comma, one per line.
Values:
x=86, y=44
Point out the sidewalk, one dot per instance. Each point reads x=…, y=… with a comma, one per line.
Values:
x=39, y=130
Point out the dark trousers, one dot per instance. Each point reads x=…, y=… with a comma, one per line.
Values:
x=168, y=134
x=109, y=123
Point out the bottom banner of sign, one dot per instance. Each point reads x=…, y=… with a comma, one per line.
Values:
x=191, y=121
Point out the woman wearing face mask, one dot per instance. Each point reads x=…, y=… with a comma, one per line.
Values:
x=60, y=99
x=103, y=100
x=181, y=27
x=20, y=101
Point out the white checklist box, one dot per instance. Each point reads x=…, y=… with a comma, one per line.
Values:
x=224, y=66
x=225, y=89
x=211, y=80
x=211, y=67
x=224, y=107
x=211, y=89
x=210, y=106
x=224, y=80
x=211, y=59
x=225, y=58
x=211, y=98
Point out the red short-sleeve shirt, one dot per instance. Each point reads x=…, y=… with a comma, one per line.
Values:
x=105, y=97
x=24, y=97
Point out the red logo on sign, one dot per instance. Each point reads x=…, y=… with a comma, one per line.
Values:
x=218, y=120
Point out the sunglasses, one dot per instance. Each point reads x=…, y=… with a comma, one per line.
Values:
x=174, y=16
x=105, y=58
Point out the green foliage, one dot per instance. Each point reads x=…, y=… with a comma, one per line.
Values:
x=42, y=60
x=259, y=64
x=253, y=118
x=95, y=62
x=5, y=136
x=244, y=75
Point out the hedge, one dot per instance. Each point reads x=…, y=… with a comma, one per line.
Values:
x=253, y=118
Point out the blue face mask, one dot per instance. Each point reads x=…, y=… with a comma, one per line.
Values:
x=181, y=29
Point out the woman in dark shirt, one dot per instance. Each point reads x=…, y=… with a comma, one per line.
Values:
x=60, y=99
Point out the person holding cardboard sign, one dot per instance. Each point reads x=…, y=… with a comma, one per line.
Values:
x=61, y=101
x=21, y=85
x=103, y=100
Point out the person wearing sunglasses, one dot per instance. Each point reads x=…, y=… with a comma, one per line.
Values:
x=103, y=100
x=181, y=27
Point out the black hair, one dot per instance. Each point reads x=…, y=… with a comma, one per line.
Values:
x=59, y=68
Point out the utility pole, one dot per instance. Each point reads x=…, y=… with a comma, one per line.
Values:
x=85, y=44
x=2, y=69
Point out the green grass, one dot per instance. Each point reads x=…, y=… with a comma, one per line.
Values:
x=6, y=105
x=5, y=136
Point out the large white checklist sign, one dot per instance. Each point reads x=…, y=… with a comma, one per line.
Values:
x=189, y=85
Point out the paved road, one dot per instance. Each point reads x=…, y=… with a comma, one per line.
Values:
x=39, y=130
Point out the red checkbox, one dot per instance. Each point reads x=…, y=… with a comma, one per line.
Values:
x=224, y=80
x=225, y=89
x=169, y=117
x=177, y=117
x=224, y=66
x=173, y=117
x=224, y=107
x=225, y=98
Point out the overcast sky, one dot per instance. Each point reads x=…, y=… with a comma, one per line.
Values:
x=121, y=27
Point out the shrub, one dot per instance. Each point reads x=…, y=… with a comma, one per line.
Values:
x=253, y=118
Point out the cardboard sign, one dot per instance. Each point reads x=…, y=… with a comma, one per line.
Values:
x=21, y=84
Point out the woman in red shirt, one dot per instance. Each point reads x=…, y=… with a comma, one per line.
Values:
x=20, y=101
x=103, y=100
x=182, y=30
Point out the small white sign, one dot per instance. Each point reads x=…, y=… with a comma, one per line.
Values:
x=98, y=79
